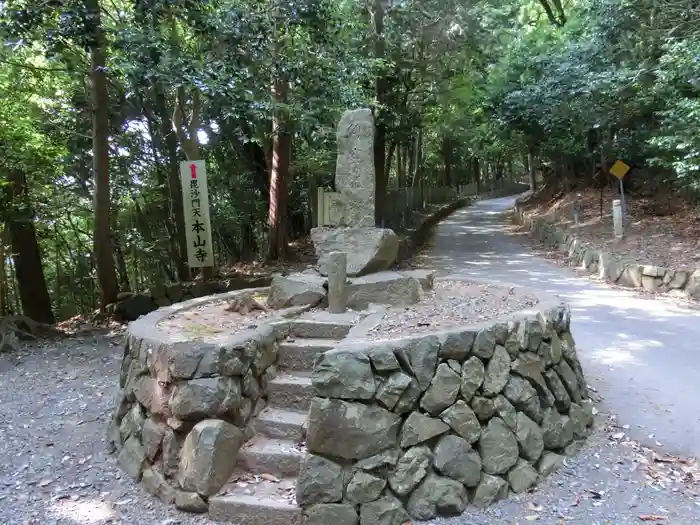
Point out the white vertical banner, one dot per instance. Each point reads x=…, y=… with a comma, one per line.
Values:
x=195, y=196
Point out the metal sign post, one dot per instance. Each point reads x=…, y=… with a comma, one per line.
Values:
x=619, y=170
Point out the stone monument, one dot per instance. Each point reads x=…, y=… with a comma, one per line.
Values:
x=354, y=248
x=368, y=249
x=354, y=171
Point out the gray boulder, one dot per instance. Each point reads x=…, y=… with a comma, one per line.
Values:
x=556, y=386
x=190, y=502
x=456, y=343
x=369, y=250
x=437, y=495
x=419, y=428
x=385, y=511
x=382, y=461
x=412, y=467
x=442, y=391
x=530, y=366
x=364, y=488
x=529, y=436
x=497, y=372
x=483, y=407
x=549, y=463
x=320, y=481
x=473, y=374
x=489, y=490
x=296, y=289
x=132, y=458
x=419, y=356
x=409, y=399
x=199, y=398
x=522, y=477
x=463, y=421
x=498, y=447
x=331, y=513
x=350, y=430
x=392, y=389
x=506, y=411
x=455, y=458
x=386, y=287
x=568, y=377
x=208, y=456
x=343, y=374
x=557, y=430
x=484, y=344
x=579, y=419
x=524, y=397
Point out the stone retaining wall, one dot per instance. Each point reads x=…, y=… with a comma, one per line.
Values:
x=422, y=426
x=608, y=266
x=184, y=407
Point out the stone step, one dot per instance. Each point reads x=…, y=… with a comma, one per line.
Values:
x=290, y=391
x=317, y=329
x=281, y=424
x=279, y=457
x=300, y=354
x=264, y=503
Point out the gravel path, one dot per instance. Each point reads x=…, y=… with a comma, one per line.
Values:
x=56, y=399
x=452, y=303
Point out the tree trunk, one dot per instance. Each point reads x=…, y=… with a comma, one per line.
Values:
x=531, y=173
x=399, y=167
x=106, y=275
x=476, y=174
x=33, y=293
x=176, y=208
x=281, y=156
x=121, y=267
x=447, y=161
x=381, y=88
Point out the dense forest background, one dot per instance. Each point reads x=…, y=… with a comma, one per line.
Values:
x=102, y=99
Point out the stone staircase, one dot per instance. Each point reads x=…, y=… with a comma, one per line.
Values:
x=261, y=491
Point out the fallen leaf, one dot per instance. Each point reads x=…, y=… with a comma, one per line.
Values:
x=533, y=517
x=651, y=517
x=270, y=478
x=535, y=508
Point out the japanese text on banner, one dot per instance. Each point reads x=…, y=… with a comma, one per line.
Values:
x=195, y=195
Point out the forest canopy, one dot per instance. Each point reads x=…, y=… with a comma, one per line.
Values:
x=102, y=100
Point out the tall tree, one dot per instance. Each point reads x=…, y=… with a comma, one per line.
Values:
x=102, y=238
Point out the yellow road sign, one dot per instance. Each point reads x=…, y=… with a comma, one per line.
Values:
x=619, y=169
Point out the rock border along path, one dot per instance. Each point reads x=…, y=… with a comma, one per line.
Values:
x=607, y=266
x=224, y=428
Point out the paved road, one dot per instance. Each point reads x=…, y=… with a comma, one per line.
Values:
x=642, y=354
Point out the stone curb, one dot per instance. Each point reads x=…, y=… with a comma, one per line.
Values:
x=428, y=424
x=607, y=266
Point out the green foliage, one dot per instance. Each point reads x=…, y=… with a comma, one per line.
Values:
x=466, y=84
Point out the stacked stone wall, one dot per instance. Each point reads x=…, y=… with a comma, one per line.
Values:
x=425, y=426
x=184, y=408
